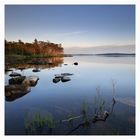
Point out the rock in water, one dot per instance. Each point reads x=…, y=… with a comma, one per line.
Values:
x=14, y=74
x=17, y=90
x=75, y=63
x=36, y=70
x=66, y=74
x=56, y=80
x=16, y=80
x=65, y=79
x=58, y=76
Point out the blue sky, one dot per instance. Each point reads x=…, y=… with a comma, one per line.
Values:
x=72, y=25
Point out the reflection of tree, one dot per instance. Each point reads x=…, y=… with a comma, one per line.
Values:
x=35, y=62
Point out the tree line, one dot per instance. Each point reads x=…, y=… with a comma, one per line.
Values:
x=32, y=49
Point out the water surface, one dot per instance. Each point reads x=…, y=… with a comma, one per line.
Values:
x=92, y=74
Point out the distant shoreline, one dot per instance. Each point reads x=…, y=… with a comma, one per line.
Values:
x=104, y=54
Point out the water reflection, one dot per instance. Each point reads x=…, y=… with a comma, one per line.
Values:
x=20, y=85
x=52, y=96
x=36, y=63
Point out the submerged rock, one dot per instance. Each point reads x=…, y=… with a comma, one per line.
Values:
x=65, y=79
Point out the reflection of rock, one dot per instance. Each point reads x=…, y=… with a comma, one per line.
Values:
x=19, y=87
x=13, y=92
x=14, y=74
x=16, y=80
x=56, y=80
x=65, y=79
x=31, y=81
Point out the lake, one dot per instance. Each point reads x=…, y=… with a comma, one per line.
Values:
x=98, y=99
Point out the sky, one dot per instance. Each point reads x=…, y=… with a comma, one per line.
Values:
x=72, y=25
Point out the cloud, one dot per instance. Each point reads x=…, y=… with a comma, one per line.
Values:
x=70, y=33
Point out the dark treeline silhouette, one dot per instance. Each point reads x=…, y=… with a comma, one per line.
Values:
x=32, y=49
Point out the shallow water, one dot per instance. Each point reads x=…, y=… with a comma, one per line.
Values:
x=64, y=98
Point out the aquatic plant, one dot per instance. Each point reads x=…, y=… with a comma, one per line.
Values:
x=84, y=108
x=36, y=123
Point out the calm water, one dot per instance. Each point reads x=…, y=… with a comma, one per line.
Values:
x=61, y=99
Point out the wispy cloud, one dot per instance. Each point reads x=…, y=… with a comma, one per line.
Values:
x=70, y=33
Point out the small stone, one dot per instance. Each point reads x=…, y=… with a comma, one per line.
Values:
x=58, y=76
x=66, y=74
x=65, y=79
x=14, y=74
x=56, y=80
x=36, y=70
x=75, y=63
x=16, y=80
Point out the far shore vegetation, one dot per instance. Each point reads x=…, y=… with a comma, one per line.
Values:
x=37, y=49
